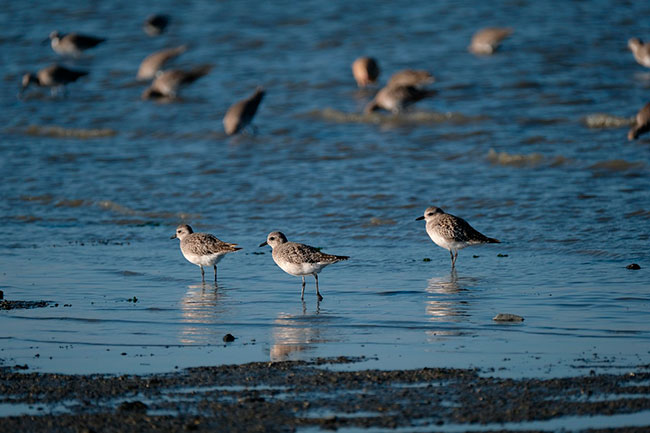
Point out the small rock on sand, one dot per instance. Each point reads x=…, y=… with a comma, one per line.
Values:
x=633, y=266
x=506, y=317
x=228, y=338
x=132, y=406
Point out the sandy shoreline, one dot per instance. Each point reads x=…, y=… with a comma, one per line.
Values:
x=307, y=396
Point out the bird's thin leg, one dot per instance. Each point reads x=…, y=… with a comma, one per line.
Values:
x=453, y=262
x=320, y=298
x=202, y=273
x=302, y=293
x=215, y=273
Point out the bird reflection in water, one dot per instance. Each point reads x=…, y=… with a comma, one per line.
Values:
x=296, y=333
x=201, y=309
x=446, y=305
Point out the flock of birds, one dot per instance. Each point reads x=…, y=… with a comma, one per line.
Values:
x=203, y=249
x=403, y=89
x=165, y=83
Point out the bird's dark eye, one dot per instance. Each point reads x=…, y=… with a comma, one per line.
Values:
x=271, y=238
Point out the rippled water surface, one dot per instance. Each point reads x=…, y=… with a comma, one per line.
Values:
x=94, y=184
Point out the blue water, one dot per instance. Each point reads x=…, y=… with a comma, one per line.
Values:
x=87, y=221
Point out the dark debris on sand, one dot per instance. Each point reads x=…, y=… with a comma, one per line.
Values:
x=286, y=396
x=16, y=305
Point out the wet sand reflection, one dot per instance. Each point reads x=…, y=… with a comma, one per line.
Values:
x=200, y=308
x=446, y=304
x=296, y=333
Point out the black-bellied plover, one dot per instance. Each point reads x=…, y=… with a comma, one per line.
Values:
x=154, y=25
x=241, y=113
x=202, y=249
x=487, y=40
x=451, y=232
x=640, y=50
x=411, y=77
x=155, y=62
x=641, y=123
x=167, y=83
x=396, y=98
x=54, y=77
x=72, y=44
x=299, y=259
x=365, y=71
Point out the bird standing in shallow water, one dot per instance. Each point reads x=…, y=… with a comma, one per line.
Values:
x=451, y=232
x=487, y=40
x=241, y=113
x=155, y=62
x=202, y=249
x=397, y=98
x=168, y=83
x=156, y=24
x=54, y=77
x=72, y=44
x=299, y=259
x=641, y=123
x=365, y=71
x=640, y=50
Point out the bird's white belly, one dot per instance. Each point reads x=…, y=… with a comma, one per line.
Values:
x=203, y=260
x=446, y=243
x=299, y=269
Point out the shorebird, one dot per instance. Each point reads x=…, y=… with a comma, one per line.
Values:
x=202, y=249
x=155, y=62
x=411, y=77
x=487, y=40
x=451, y=232
x=642, y=123
x=640, y=50
x=241, y=113
x=72, y=44
x=167, y=83
x=365, y=71
x=396, y=98
x=154, y=25
x=54, y=77
x=299, y=259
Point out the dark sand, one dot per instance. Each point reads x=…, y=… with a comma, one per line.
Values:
x=286, y=396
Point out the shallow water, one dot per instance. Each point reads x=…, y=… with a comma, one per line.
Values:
x=94, y=184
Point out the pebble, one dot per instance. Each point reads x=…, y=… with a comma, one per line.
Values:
x=132, y=406
x=228, y=338
x=632, y=266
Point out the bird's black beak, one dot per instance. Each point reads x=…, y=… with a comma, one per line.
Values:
x=419, y=218
x=263, y=244
x=45, y=41
x=173, y=237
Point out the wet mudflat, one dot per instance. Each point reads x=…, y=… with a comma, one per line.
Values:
x=314, y=395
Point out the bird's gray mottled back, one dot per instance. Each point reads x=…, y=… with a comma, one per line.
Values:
x=294, y=252
x=201, y=243
x=452, y=227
